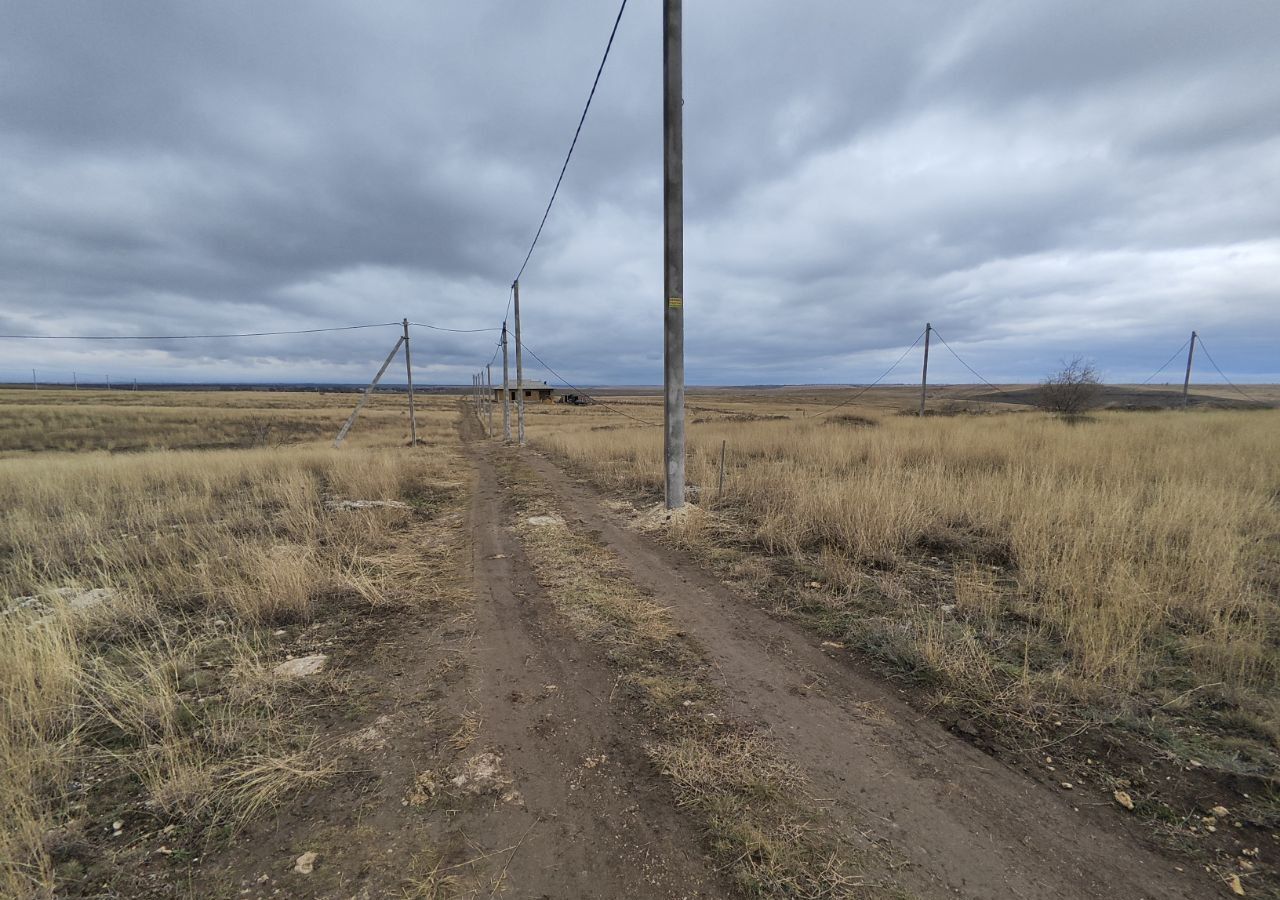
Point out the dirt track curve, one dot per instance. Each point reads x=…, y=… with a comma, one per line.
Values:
x=579, y=810
x=968, y=825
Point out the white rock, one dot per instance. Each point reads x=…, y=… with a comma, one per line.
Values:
x=544, y=521
x=77, y=600
x=482, y=774
x=302, y=667
x=365, y=504
x=306, y=863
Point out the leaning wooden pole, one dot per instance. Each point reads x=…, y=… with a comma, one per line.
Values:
x=368, y=392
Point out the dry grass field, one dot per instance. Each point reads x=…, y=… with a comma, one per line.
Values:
x=164, y=693
x=1094, y=601
x=78, y=421
x=1059, y=578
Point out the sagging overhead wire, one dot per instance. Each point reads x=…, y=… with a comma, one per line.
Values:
x=882, y=377
x=1237, y=388
x=185, y=337
x=971, y=369
x=574, y=143
x=453, y=330
x=1176, y=354
x=594, y=400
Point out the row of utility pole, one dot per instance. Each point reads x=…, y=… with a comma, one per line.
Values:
x=673, y=276
x=481, y=386
x=1186, y=381
x=75, y=381
x=482, y=382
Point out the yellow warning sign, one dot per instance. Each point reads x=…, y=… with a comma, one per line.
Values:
x=675, y=302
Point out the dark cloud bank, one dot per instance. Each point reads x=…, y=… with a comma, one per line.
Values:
x=1038, y=179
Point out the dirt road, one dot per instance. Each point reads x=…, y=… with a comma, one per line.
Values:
x=968, y=825
x=503, y=760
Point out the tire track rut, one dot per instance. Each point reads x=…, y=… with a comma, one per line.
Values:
x=969, y=825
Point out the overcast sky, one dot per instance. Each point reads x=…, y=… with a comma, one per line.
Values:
x=1037, y=179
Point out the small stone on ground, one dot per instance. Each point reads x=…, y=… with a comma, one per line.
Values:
x=302, y=667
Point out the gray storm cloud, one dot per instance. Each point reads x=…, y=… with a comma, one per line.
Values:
x=1038, y=179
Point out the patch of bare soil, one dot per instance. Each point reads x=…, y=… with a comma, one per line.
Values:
x=592, y=819
x=479, y=757
x=759, y=818
x=968, y=824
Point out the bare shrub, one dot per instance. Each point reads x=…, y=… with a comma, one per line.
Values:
x=1072, y=391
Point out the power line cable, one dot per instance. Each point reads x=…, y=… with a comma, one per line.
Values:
x=883, y=376
x=511, y=294
x=967, y=366
x=1176, y=354
x=574, y=144
x=453, y=330
x=1238, y=389
x=620, y=412
x=183, y=337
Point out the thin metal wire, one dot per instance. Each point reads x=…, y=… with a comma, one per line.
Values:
x=620, y=412
x=511, y=294
x=885, y=375
x=453, y=330
x=1176, y=354
x=967, y=366
x=1238, y=389
x=183, y=337
x=574, y=144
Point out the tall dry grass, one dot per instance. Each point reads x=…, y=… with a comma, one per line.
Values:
x=1134, y=552
x=114, y=421
x=168, y=683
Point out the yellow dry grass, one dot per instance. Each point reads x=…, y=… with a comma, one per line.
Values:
x=168, y=682
x=77, y=421
x=1130, y=555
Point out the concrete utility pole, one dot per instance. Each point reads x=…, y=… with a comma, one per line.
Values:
x=35, y=385
x=506, y=389
x=408, y=371
x=673, y=251
x=1186, y=382
x=519, y=368
x=488, y=395
x=108, y=377
x=924, y=374
x=75, y=381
